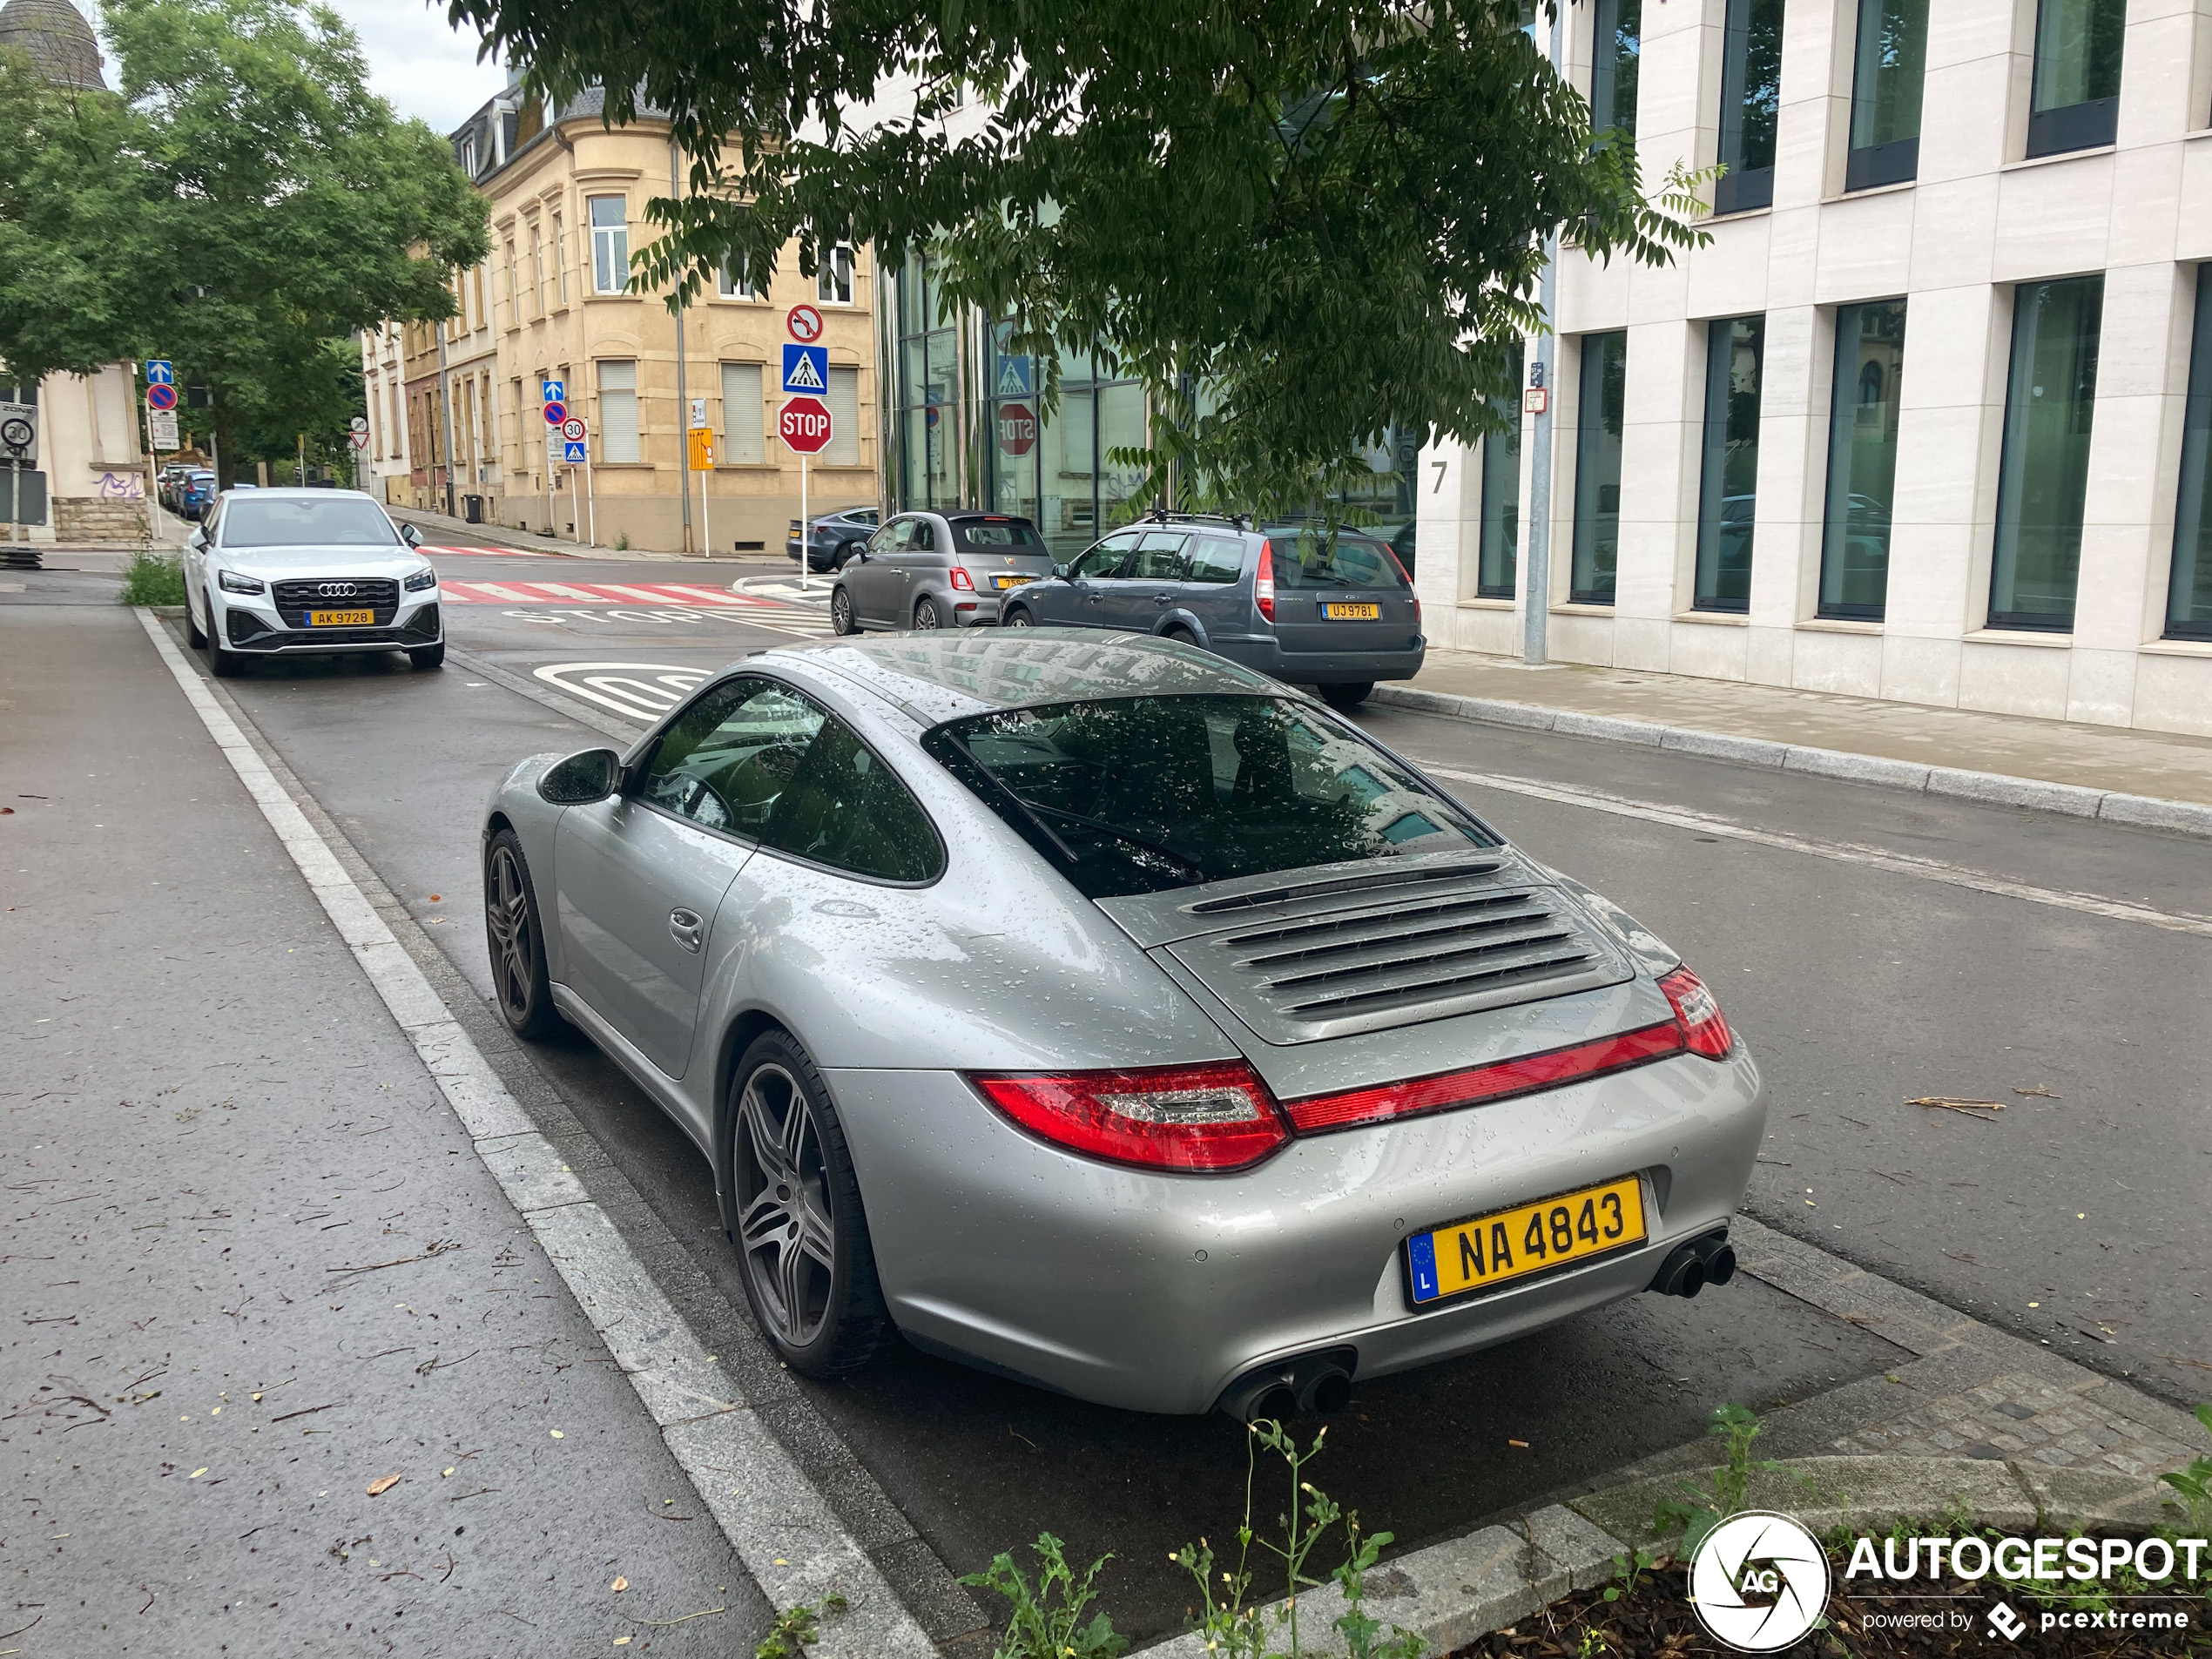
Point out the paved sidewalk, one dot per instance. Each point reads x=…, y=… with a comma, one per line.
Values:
x=2166, y=766
x=254, y=1264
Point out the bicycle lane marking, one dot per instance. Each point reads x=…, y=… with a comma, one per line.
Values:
x=786, y=1535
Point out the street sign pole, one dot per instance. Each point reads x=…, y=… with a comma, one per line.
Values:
x=153, y=492
x=575, y=525
x=590, y=505
x=805, y=535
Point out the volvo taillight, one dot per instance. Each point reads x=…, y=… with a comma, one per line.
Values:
x=1264, y=582
x=1203, y=1118
x=1704, y=1028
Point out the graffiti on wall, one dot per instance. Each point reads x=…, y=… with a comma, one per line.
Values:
x=122, y=486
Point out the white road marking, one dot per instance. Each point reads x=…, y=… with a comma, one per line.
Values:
x=480, y=552
x=788, y=1538
x=1842, y=852
x=642, y=691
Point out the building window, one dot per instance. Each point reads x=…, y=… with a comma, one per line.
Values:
x=559, y=259
x=1750, y=101
x=1498, y=537
x=1599, y=413
x=1734, y=354
x=732, y=282
x=844, y=399
x=1862, y=460
x=468, y=155
x=1613, y=77
x=743, y=441
x=538, y=273
x=2076, y=103
x=2045, y=476
x=2188, y=600
x=610, y=244
x=833, y=282
x=618, y=412
x=1885, y=93
x=514, y=293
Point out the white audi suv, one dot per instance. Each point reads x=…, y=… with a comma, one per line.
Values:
x=270, y=571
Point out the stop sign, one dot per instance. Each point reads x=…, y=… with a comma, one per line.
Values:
x=1017, y=429
x=805, y=425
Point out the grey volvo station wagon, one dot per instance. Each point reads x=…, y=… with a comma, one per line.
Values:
x=1097, y=1011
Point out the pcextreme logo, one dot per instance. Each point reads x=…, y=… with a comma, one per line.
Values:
x=1759, y=1581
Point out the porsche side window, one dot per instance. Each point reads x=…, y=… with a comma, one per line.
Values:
x=729, y=758
x=845, y=809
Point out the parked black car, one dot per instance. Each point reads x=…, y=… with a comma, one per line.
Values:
x=1283, y=600
x=835, y=535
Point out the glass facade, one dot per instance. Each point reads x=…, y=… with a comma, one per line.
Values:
x=1056, y=471
x=2049, y=407
x=1751, y=104
x=1727, y=497
x=1599, y=415
x=1498, y=541
x=1613, y=75
x=926, y=402
x=1892, y=63
x=2076, y=102
x=2189, y=601
x=1862, y=459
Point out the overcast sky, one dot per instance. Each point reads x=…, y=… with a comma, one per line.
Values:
x=415, y=60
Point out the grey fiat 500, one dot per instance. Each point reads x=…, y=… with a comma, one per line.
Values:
x=925, y=570
x=1097, y=1011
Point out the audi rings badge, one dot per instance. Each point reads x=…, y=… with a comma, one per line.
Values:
x=336, y=589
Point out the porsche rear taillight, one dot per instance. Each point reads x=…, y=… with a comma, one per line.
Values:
x=1522, y=1074
x=1205, y=1118
x=1264, y=582
x=1704, y=1028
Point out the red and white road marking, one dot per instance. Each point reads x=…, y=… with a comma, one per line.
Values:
x=594, y=593
x=494, y=552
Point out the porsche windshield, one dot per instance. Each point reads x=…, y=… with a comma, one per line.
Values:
x=1144, y=794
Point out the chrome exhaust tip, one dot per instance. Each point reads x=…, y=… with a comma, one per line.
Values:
x=1307, y=1385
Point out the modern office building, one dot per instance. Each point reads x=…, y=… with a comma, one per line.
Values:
x=1927, y=418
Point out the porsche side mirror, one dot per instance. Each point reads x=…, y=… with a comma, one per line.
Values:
x=581, y=778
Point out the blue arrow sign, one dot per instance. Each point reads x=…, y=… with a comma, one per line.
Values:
x=160, y=371
x=553, y=391
x=806, y=369
x=571, y=454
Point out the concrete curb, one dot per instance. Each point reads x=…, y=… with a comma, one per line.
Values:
x=1459, y=1591
x=1995, y=789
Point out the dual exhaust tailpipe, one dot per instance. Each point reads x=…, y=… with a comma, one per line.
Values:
x=1308, y=1385
x=1690, y=1267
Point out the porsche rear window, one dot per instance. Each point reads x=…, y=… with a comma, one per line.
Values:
x=1146, y=794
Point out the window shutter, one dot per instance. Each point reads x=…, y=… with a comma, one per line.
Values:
x=742, y=438
x=618, y=412
x=844, y=401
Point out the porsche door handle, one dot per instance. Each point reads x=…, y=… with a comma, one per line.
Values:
x=688, y=928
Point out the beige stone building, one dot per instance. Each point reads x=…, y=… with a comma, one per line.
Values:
x=568, y=199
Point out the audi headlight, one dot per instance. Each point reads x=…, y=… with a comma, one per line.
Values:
x=233, y=582
x=422, y=581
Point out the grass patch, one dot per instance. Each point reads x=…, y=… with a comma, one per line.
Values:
x=154, y=579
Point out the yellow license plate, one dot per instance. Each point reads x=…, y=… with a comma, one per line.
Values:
x=1534, y=1238
x=1352, y=613
x=1013, y=581
x=340, y=619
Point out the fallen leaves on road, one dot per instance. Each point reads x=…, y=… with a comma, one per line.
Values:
x=1981, y=1109
x=620, y=1585
x=704, y=1612
x=382, y=1484
x=2039, y=1093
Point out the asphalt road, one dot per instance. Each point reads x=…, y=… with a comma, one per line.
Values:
x=2076, y=1215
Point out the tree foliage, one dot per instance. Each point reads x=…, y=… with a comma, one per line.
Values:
x=241, y=206
x=1329, y=215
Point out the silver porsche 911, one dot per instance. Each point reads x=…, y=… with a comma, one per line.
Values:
x=1100, y=1014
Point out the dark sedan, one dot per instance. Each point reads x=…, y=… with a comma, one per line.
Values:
x=835, y=535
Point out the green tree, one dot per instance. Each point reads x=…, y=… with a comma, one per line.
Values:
x=1328, y=213
x=241, y=206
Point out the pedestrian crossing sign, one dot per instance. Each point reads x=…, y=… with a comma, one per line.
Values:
x=572, y=452
x=806, y=369
x=1014, y=377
